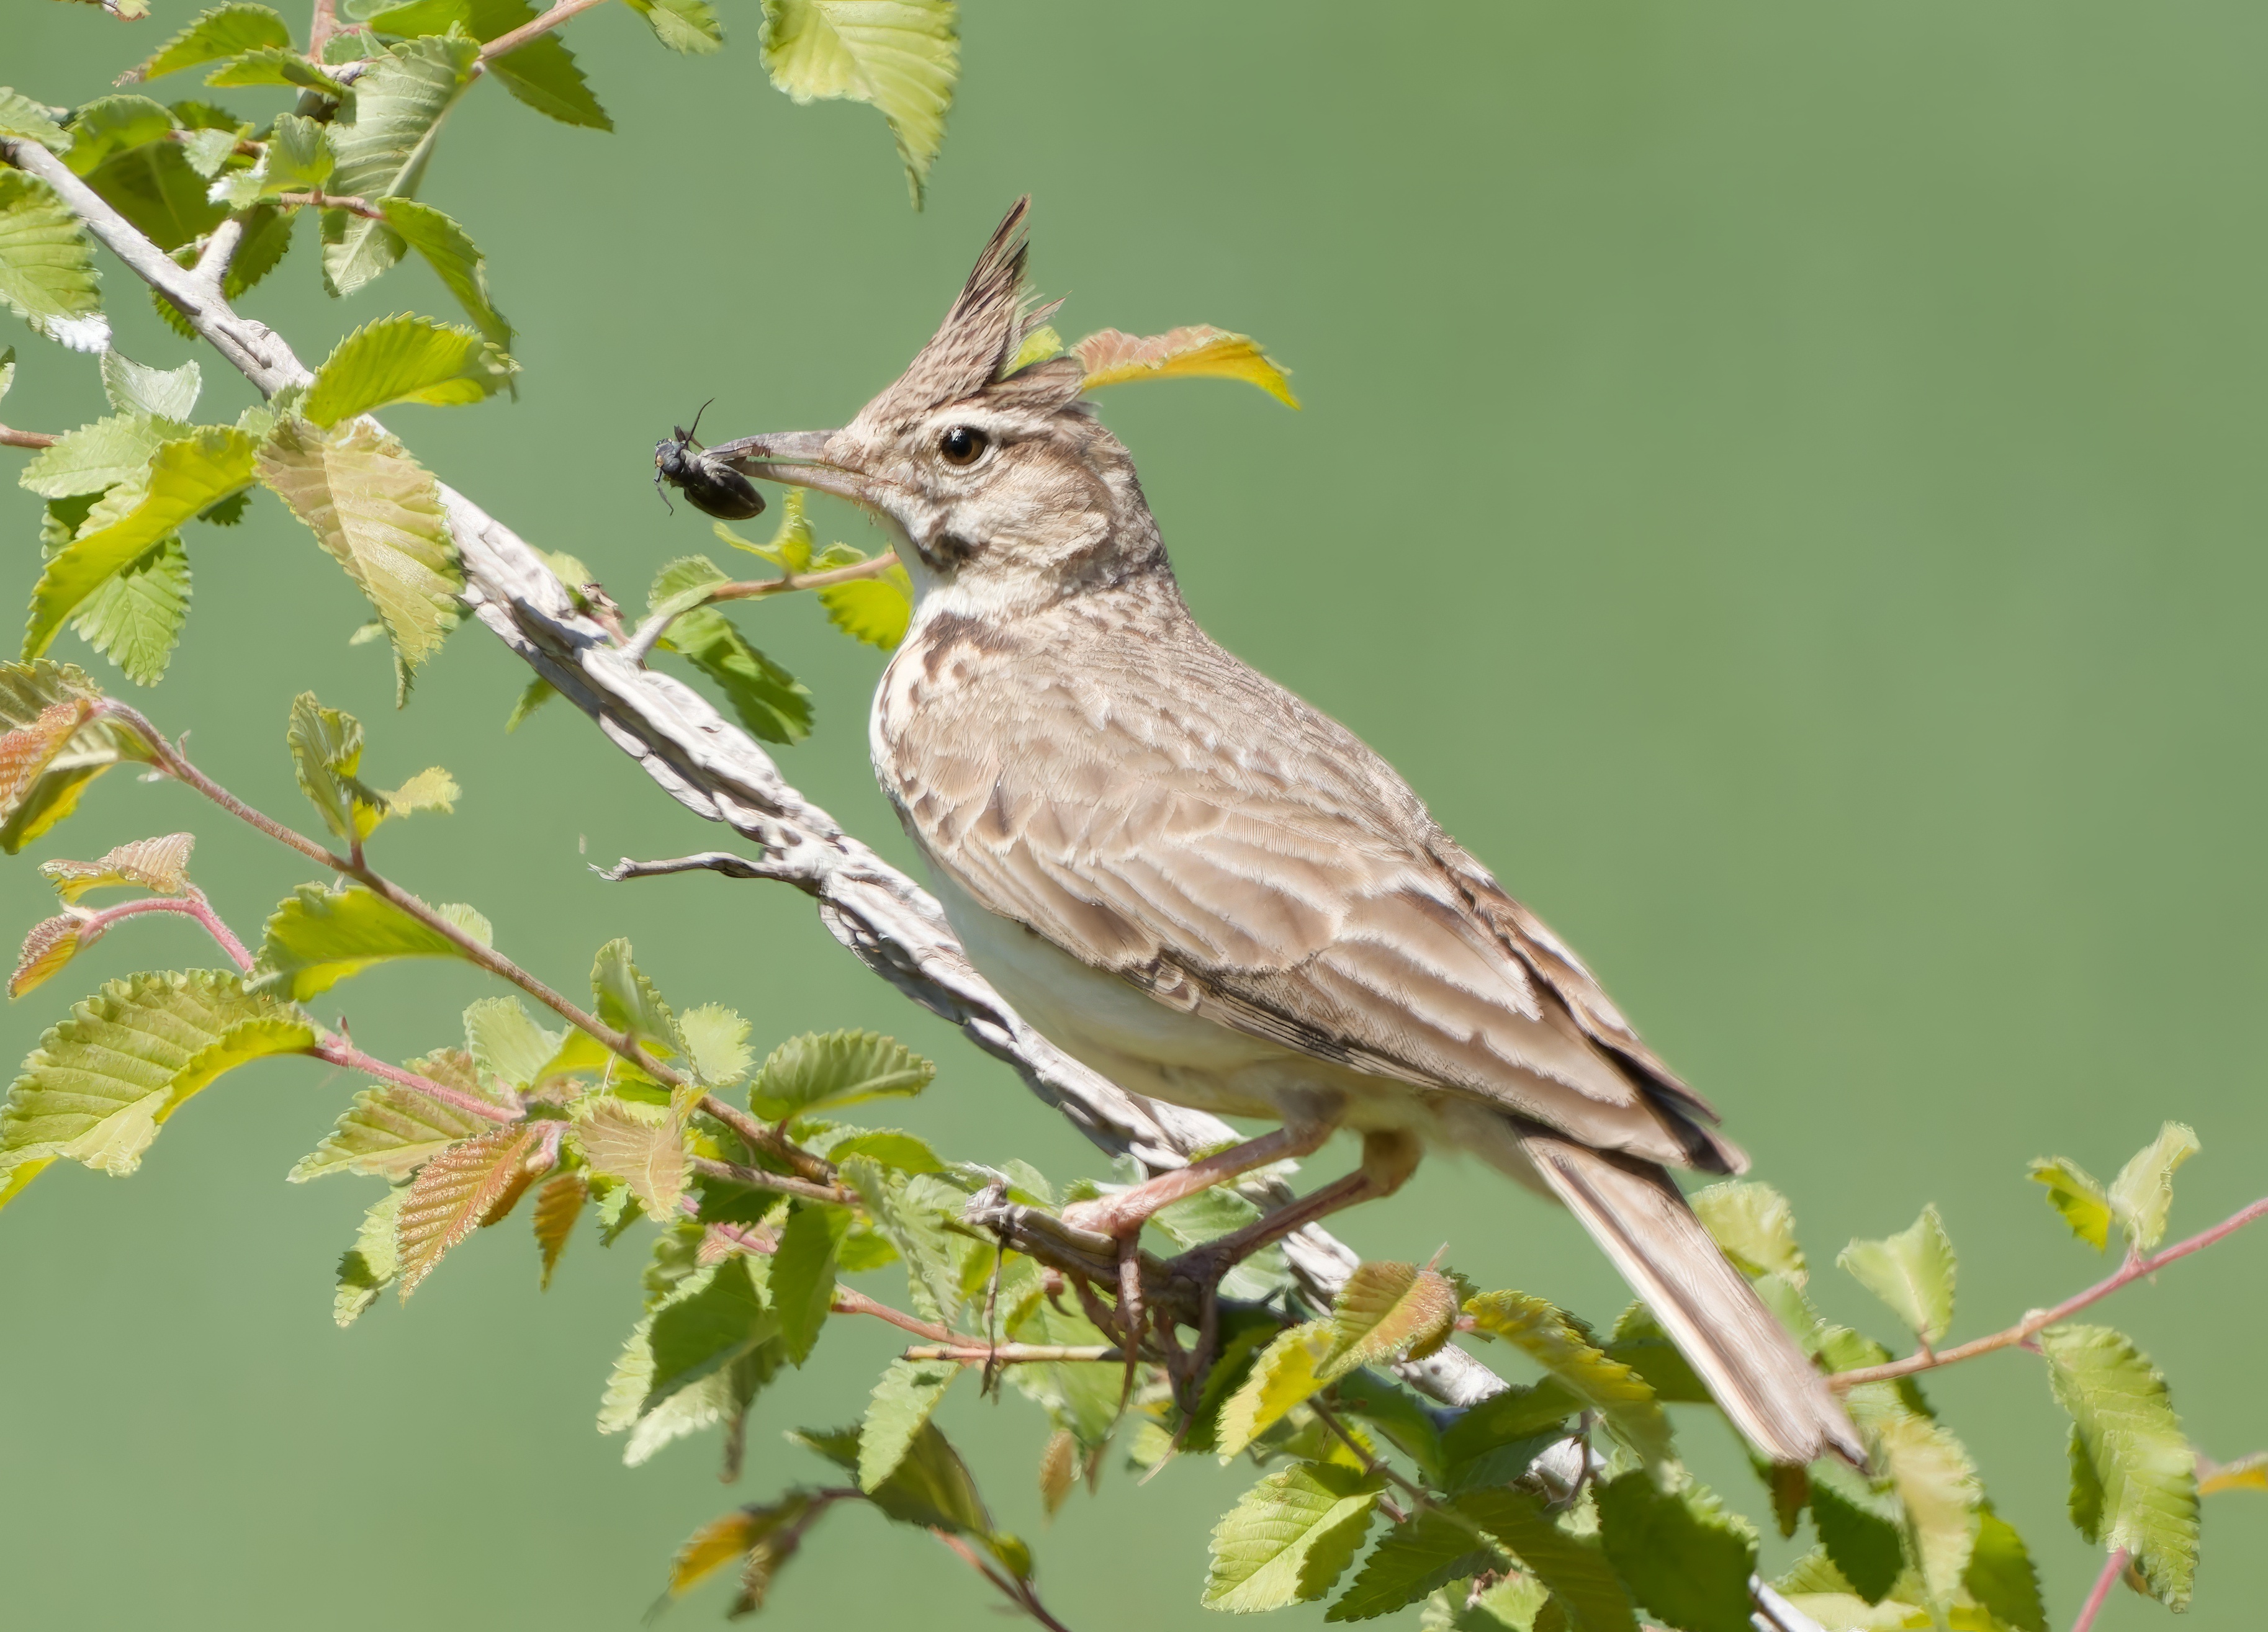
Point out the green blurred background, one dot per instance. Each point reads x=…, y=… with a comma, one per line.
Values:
x=1783, y=481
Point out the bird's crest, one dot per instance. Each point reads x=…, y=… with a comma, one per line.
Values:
x=980, y=336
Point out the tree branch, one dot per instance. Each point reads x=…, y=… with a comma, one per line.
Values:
x=26, y=438
x=542, y=24
x=2039, y=1320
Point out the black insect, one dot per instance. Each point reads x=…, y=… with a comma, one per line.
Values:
x=708, y=482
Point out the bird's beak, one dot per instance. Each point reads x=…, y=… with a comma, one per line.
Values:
x=797, y=458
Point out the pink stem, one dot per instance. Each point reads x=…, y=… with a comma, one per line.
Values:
x=342, y=1053
x=2031, y=1326
x=195, y=905
x=2113, y=1567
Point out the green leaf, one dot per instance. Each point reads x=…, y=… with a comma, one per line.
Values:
x=899, y=1409
x=318, y=936
x=1862, y=1528
x=225, y=31
x=136, y=619
x=543, y=74
x=876, y=611
x=299, y=157
x=101, y=1085
x=326, y=747
x=1913, y=1271
x=642, y=1145
x=208, y=149
x=803, y=1275
x=370, y=1265
x=53, y=746
x=1286, y=1374
x=20, y=116
x=1641, y=1344
x=902, y=59
x=267, y=239
x=97, y=456
x=773, y=704
x=162, y=394
x=432, y=788
x=539, y=692
x=629, y=1002
x=1574, y=1568
x=505, y=1043
x=1290, y=1538
x=112, y=125
x=46, y=265
x=684, y=26
x=1547, y=1335
x=1936, y=1483
x=379, y=516
x=472, y=1183
x=147, y=177
x=398, y=107
x=2001, y=1576
x=1514, y=1605
x=184, y=477
x=1385, y=1313
x=1754, y=1226
x=718, y=1320
x=1679, y=1555
x=2081, y=1200
x=814, y=1071
x=274, y=65
x=1410, y=1562
x=918, y=1233
x=454, y=257
x=389, y=1131
x=1397, y=1413
x=404, y=359
x=716, y=1041
x=2134, y=1474
x=2143, y=1193
x=558, y=1204
x=1492, y=1442
x=790, y=546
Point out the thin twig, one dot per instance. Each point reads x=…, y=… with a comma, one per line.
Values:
x=340, y=1052
x=529, y=31
x=26, y=438
x=2113, y=1567
x=320, y=200
x=1016, y=1353
x=849, y=1300
x=1018, y=1593
x=641, y=645
x=757, y=1179
x=2039, y=1320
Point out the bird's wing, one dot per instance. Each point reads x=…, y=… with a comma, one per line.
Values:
x=1201, y=833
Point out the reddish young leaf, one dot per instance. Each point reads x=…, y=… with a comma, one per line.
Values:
x=52, y=943
x=456, y=1192
x=557, y=1206
x=1111, y=356
x=27, y=751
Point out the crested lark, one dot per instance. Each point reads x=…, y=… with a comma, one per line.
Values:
x=1193, y=881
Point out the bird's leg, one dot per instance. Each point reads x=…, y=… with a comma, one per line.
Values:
x=1389, y=1158
x=1125, y=1213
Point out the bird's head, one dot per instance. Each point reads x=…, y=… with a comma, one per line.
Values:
x=1000, y=486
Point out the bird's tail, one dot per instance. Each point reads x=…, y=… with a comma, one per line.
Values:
x=1763, y=1382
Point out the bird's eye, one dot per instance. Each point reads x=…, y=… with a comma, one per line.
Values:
x=963, y=444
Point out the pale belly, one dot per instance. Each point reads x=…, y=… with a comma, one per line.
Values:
x=1149, y=1048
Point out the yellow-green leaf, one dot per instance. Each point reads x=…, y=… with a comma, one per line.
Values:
x=2143, y=1193
x=225, y=31
x=874, y=611
x=101, y=1085
x=185, y=476
x=814, y=1070
x=316, y=937
x=2079, y=1196
x=404, y=359
x=642, y=1145
x=2133, y=1474
x=46, y=265
x=1912, y=1271
x=1755, y=1226
x=900, y=56
x=389, y=1131
x=50, y=945
x=1111, y=356
x=379, y=514
x=1546, y=1335
x=160, y=865
x=1387, y=1312
x=1289, y=1537
x=383, y=145
x=1285, y=1375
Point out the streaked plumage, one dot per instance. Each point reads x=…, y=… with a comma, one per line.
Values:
x=1212, y=892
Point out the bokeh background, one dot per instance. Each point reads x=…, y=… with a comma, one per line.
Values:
x=1784, y=482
